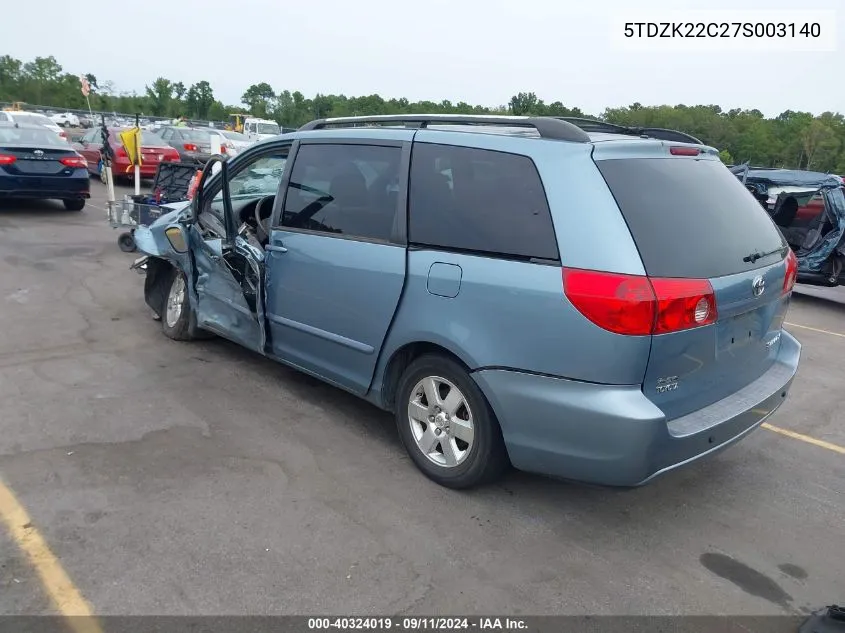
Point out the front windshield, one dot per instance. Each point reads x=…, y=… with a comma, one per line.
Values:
x=269, y=128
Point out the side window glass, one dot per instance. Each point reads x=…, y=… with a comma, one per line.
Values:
x=256, y=179
x=259, y=178
x=479, y=200
x=344, y=189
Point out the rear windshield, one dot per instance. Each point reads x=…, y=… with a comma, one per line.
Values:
x=690, y=218
x=234, y=136
x=38, y=119
x=30, y=136
x=148, y=139
x=201, y=136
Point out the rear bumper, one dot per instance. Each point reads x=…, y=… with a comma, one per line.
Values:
x=614, y=435
x=43, y=187
x=148, y=169
x=195, y=157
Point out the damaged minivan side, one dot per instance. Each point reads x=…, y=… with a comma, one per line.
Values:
x=205, y=273
x=603, y=305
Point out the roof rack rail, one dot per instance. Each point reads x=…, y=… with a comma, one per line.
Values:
x=663, y=134
x=547, y=127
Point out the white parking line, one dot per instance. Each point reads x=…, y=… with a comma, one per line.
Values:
x=815, y=329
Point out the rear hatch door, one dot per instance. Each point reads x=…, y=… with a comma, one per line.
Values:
x=153, y=155
x=37, y=161
x=692, y=219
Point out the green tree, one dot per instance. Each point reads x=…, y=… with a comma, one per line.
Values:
x=259, y=99
x=42, y=74
x=11, y=77
x=199, y=100
x=159, y=96
x=524, y=103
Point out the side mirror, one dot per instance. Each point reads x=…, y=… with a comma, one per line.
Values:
x=177, y=240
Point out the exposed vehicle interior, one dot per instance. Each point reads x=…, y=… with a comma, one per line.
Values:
x=252, y=191
x=804, y=232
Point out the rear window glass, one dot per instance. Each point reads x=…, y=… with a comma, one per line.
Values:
x=690, y=218
x=38, y=119
x=147, y=138
x=30, y=136
x=479, y=200
x=201, y=136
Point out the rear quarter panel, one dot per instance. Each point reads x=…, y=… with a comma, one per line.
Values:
x=512, y=314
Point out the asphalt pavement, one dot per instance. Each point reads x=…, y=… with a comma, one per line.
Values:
x=199, y=478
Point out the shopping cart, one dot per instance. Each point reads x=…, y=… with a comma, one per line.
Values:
x=172, y=184
x=131, y=213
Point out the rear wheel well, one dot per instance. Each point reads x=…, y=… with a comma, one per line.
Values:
x=400, y=360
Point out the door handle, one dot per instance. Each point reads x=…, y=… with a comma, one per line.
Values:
x=273, y=248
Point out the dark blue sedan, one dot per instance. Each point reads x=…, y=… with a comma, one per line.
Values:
x=37, y=164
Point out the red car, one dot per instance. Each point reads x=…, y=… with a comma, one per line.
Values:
x=153, y=151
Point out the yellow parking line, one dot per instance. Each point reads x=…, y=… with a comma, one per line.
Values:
x=805, y=438
x=65, y=596
x=815, y=329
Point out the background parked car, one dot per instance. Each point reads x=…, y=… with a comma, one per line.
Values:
x=153, y=151
x=33, y=118
x=65, y=119
x=35, y=163
x=231, y=143
x=193, y=144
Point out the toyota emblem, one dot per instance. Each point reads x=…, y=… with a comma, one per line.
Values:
x=758, y=286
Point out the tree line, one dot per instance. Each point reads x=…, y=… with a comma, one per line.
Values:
x=791, y=139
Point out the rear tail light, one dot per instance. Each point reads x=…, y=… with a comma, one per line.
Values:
x=683, y=304
x=222, y=149
x=190, y=147
x=73, y=161
x=791, y=272
x=684, y=151
x=6, y=159
x=120, y=152
x=63, y=135
x=640, y=306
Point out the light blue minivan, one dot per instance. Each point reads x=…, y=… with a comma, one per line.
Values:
x=568, y=297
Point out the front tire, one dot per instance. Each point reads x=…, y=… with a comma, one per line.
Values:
x=74, y=204
x=178, y=314
x=447, y=425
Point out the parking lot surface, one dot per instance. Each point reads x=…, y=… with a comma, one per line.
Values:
x=199, y=478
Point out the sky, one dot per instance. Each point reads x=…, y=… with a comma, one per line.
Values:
x=478, y=51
